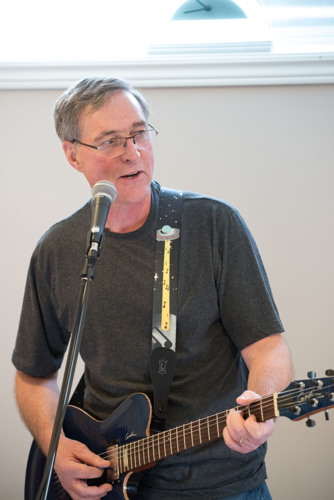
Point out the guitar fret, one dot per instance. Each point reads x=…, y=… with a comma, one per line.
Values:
x=162, y=446
x=191, y=433
x=132, y=455
x=171, y=442
x=188, y=435
x=136, y=447
x=149, y=449
x=148, y=459
x=174, y=441
x=204, y=430
x=148, y=454
x=120, y=461
x=276, y=411
x=198, y=435
x=141, y=457
x=125, y=458
x=199, y=432
x=177, y=441
x=153, y=450
x=159, y=455
x=261, y=410
x=137, y=444
x=135, y=454
x=208, y=427
x=264, y=409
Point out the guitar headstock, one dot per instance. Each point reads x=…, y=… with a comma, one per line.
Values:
x=303, y=398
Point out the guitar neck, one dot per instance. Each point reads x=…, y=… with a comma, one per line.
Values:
x=151, y=449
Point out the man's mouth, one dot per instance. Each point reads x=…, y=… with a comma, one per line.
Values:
x=130, y=176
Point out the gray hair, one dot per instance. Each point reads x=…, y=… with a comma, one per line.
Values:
x=92, y=93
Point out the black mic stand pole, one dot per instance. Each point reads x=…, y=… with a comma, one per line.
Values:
x=87, y=276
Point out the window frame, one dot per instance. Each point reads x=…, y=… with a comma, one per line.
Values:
x=176, y=69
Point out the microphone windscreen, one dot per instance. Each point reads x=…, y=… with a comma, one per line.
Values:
x=104, y=188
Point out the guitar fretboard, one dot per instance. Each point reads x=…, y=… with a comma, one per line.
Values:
x=153, y=448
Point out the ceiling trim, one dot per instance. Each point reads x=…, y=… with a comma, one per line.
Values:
x=178, y=71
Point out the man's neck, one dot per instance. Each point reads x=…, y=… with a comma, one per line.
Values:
x=128, y=218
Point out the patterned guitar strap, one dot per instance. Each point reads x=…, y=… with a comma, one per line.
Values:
x=162, y=359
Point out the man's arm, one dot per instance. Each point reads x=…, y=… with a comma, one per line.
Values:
x=270, y=370
x=37, y=400
x=269, y=364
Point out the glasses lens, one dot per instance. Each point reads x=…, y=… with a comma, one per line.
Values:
x=142, y=140
x=112, y=147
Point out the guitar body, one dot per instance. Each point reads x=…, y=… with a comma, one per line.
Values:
x=131, y=421
x=124, y=439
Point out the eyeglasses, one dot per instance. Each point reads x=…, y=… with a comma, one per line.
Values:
x=114, y=147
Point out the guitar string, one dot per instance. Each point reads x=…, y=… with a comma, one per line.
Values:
x=216, y=422
x=183, y=432
x=160, y=438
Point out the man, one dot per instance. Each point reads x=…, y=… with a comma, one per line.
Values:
x=229, y=345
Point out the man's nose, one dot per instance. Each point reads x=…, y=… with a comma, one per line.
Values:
x=130, y=147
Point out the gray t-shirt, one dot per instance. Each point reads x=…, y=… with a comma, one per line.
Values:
x=224, y=304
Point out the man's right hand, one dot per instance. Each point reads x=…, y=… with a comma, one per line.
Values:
x=37, y=398
x=74, y=465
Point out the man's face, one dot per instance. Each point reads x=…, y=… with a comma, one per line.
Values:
x=132, y=170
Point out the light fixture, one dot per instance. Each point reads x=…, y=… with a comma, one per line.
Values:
x=208, y=9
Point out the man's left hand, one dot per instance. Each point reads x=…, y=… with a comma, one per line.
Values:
x=246, y=435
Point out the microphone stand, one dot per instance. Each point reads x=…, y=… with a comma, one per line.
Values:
x=87, y=276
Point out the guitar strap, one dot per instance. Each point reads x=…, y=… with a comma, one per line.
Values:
x=162, y=359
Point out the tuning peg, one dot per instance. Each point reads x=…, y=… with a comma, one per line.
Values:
x=310, y=422
x=311, y=374
x=329, y=373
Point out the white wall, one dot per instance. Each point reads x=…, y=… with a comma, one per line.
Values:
x=268, y=151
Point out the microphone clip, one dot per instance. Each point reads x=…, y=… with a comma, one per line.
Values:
x=92, y=255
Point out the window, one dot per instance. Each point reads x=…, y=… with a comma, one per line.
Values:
x=301, y=26
x=280, y=41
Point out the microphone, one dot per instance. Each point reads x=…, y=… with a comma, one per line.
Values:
x=103, y=195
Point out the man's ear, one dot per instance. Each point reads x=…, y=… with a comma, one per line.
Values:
x=71, y=151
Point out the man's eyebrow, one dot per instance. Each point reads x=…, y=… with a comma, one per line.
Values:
x=106, y=133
